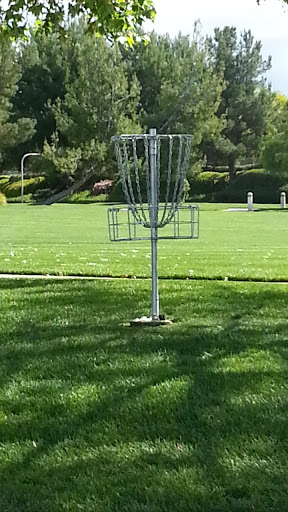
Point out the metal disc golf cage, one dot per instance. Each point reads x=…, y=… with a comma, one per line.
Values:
x=152, y=169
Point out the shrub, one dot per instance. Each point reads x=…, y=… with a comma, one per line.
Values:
x=84, y=197
x=2, y=199
x=284, y=188
x=26, y=199
x=12, y=186
x=199, y=198
x=264, y=186
x=41, y=194
x=117, y=194
x=102, y=187
x=208, y=182
x=3, y=181
x=256, y=178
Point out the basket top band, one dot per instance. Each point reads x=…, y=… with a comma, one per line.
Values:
x=148, y=136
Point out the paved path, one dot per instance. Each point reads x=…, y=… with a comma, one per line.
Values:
x=103, y=278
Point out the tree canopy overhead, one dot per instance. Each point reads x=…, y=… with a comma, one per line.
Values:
x=110, y=18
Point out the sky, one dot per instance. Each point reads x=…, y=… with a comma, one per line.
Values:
x=267, y=22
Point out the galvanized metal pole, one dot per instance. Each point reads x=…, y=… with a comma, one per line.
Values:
x=153, y=212
x=22, y=172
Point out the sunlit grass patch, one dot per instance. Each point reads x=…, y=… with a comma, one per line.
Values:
x=99, y=416
x=73, y=239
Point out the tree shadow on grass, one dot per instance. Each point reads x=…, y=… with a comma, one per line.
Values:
x=98, y=416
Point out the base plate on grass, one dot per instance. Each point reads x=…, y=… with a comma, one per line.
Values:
x=149, y=322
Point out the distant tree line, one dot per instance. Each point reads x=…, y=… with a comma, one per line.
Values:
x=66, y=97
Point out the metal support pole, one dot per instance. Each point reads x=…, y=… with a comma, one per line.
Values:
x=153, y=213
x=22, y=172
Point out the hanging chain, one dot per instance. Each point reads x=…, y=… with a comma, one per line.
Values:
x=170, y=156
x=184, y=168
x=144, y=220
x=121, y=170
x=147, y=169
x=174, y=202
x=127, y=176
x=158, y=169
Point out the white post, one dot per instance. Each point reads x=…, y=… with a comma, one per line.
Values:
x=153, y=213
x=22, y=172
x=283, y=200
x=250, y=201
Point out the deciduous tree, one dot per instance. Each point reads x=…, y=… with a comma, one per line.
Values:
x=109, y=18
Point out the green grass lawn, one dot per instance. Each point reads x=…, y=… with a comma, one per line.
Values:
x=73, y=239
x=95, y=416
x=99, y=417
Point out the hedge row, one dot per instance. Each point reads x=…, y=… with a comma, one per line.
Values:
x=213, y=186
x=206, y=186
x=11, y=187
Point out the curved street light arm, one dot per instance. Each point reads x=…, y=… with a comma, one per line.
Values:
x=22, y=172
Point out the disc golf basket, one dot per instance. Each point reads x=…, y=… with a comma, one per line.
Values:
x=153, y=168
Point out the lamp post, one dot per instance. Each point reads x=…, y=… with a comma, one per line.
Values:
x=22, y=171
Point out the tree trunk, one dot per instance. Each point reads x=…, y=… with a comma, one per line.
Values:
x=68, y=191
x=231, y=166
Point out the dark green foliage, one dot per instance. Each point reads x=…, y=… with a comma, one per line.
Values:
x=44, y=69
x=41, y=194
x=85, y=197
x=208, y=183
x=213, y=186
x=117, y=194
x=256, y=178
x=98, y=103
x=179, y=89
x=80, y=90
x=245, y=99
x=265, y=187
x=13, y=129
x=12, y=187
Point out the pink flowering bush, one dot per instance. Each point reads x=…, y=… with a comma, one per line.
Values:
x=102, y=187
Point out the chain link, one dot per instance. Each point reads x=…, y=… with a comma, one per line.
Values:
x=144, y=220
x=174, y=202
x=127, y=175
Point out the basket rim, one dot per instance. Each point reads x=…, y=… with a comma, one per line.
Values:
x=135, y=136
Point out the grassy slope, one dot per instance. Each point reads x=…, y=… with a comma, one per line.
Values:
x=97, y=416
x=73, y=239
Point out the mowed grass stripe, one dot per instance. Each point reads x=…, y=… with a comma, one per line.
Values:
x=73, y=239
